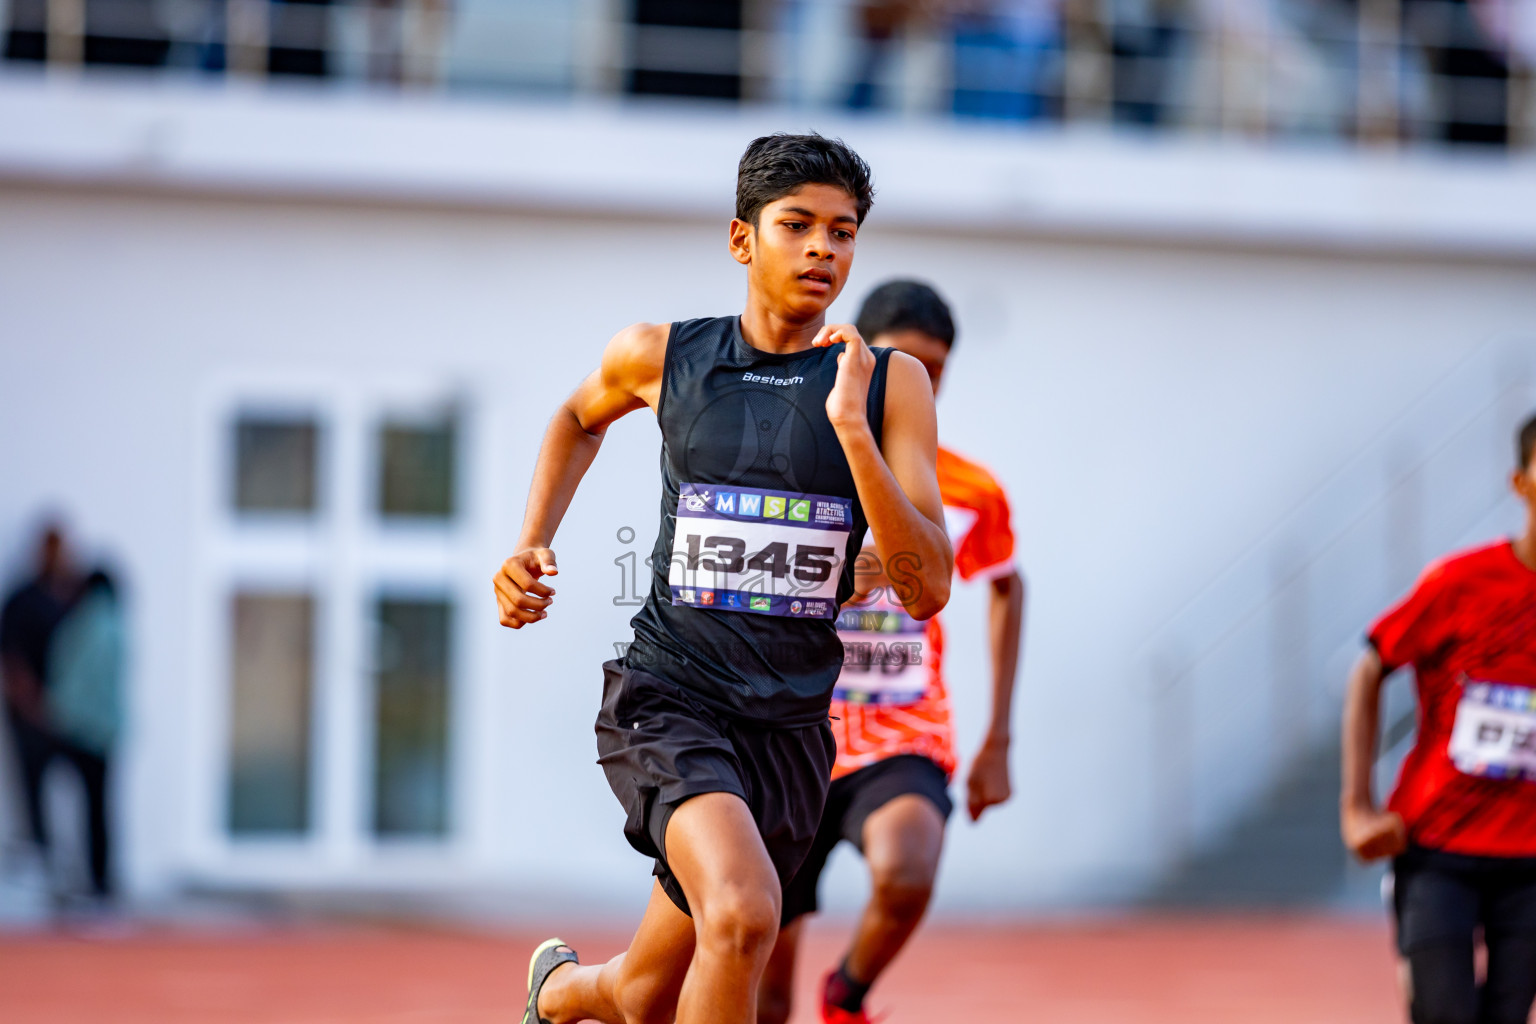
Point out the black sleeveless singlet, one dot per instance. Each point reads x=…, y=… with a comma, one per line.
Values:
x=760, y=526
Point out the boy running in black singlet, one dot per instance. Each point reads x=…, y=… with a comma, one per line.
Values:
x=784, y=439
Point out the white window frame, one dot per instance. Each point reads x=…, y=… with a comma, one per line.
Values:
x=346, y=556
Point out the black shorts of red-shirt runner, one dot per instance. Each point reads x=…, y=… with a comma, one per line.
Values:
x=660, y=746
x=850, y=802
x=1443, y=901
x=1440, y=897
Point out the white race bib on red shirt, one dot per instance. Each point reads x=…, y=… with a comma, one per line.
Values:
x=883, y=659
x=1495, y=731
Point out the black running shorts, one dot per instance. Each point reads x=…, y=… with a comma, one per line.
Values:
x=659, y=746
x=1441, y=901
x=1444, y=897
x=850, y=801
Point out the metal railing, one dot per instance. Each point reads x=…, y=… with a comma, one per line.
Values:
x=1378, y=71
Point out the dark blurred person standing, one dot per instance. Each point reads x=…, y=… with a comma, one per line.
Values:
x=61, y=646
x=28, y=621
x=85, y=702
x=1461, y=822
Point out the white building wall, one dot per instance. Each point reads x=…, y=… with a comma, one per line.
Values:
x=1159, y=400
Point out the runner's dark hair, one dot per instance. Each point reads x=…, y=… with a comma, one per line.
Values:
x=906, y=306
x=1527, y=443
x=778, y=165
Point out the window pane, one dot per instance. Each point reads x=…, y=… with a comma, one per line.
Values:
x=270, y=724
x=416, y=473
x=275, y=465
x=411, y=718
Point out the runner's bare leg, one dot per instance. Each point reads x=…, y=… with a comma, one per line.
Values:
x=776, y=993
x=714, y=849
x=902, y=843
x=639, y=986
x=704, y=968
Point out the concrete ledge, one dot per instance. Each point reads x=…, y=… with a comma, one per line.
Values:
x=658, y=159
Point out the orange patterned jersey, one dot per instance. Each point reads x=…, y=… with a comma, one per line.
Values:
x=890, y=698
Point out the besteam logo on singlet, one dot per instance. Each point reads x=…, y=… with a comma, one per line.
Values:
x=760, y=378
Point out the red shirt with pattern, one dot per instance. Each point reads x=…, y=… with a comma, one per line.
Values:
x=890, y=698
x=1469, y=631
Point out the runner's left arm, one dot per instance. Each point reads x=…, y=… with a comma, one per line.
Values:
x=897, y=480
x=988, y=783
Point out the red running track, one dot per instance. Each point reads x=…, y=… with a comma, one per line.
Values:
x=1306, y=970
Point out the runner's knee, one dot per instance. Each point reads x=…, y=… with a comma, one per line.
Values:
x=901, y=883
x=738, y=920
x=902, y=841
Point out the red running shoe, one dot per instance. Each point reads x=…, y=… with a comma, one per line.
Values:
x=834, y=1014
x=837, y=1015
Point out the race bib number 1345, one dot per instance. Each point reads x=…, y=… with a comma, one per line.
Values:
x=750, y=550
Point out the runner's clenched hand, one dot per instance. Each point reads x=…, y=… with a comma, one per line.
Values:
x=1371, y=834
x=988, y=784
x=520, y=595
x=847, y=404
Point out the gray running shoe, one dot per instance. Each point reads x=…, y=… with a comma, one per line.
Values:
x=550, y=954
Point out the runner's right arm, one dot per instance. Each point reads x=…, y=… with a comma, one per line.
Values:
x=628, y=378
x=1368, y=831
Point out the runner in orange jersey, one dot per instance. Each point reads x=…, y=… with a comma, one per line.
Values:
x=891, y=709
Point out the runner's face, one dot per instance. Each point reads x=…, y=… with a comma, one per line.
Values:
x=1525, y=486
x=922, y=346
x=800, y=252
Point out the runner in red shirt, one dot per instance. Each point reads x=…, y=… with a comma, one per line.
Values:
x=891, y=710
x=1461, y=823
